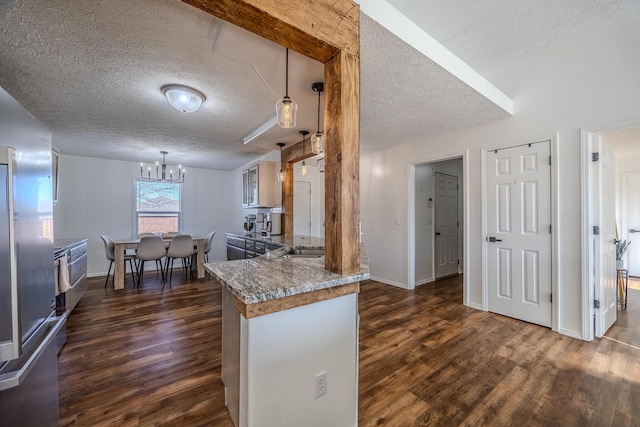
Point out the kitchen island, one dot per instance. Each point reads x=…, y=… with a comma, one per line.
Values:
x=289, y=338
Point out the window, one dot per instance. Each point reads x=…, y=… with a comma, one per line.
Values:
x=157, y=206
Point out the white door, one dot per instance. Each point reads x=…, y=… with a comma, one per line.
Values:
x=518, y=182
x=604, y=243
x=301, y=208
x=446, y=227
x=632, y=232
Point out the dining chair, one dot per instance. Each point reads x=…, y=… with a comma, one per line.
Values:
x=150, y=249
x=181, y=246
x=141, y=235
x=111, y=256
x=208, y=241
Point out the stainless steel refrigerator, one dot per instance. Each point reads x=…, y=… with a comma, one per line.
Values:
x=28, y=323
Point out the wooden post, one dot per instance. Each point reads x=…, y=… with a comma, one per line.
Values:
x=287, y=198
x=342, y=163
x=327, y=31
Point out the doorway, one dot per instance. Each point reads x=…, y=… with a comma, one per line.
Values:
x=608, y=199
x=436, y=218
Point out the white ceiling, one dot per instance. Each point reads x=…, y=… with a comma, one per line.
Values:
x=92, y=72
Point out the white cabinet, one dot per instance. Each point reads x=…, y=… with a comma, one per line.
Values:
x=259, y=185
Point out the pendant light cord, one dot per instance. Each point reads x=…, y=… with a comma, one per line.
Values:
x=318, y=111
x=286, y=81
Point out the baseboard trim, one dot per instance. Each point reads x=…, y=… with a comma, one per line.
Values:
x=425, y=281
x=570, y=333
x=389, y=282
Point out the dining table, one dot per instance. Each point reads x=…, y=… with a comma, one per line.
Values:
x=121, y=246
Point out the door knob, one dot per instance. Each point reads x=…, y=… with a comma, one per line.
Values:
x=437, y=234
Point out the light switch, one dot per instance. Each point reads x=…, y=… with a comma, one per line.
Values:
x=397, y=221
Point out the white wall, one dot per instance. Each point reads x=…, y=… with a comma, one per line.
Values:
x=588, y=83
x=424, y=224
x=96, y=196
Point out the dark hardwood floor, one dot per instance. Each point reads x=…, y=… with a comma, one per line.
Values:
x=152, y=357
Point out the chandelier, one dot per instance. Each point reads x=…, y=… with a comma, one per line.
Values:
x=161, y=172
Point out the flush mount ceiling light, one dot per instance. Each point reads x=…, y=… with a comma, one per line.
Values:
x=282, y=174
x=161, y=172
x=303, y=166
x=183, y=98
x=317, y=139
x=287, y=108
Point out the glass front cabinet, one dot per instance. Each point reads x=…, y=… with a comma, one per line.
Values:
x=258, y=185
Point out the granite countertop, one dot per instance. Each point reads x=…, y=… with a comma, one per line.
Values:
x=270, y=276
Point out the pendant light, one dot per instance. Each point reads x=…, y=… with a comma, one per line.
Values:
x=287, y=108
x=317, y=139
x=321, y=165
x=282, y=174
x=303, y=166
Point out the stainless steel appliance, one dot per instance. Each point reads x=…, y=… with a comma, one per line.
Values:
x=276, y=223
x=28, y=323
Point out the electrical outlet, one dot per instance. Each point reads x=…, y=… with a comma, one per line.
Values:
x=321, y=384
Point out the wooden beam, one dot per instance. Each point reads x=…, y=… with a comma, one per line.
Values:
x=317, y=29
x=296, y=153
x=342, y=163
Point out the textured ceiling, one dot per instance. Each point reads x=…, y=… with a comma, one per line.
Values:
x=490, y=34
x=413, y=96
x=92, y=72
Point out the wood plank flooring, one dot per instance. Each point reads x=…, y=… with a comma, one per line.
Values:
x=152, y=357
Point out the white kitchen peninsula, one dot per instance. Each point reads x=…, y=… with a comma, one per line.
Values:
x=285, y=321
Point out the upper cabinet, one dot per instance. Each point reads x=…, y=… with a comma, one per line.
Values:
x=259, y=185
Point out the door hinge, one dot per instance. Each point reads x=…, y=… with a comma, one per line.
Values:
x=458, y=224
x=596, y=230
x=549, y=228
x=596, y=303
x=549, y=160
x=551, y=298
x=458, y=262
x=595, y=157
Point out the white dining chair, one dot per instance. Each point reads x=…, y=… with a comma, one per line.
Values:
x=181, y=247
x=208, y=242
x=110, y=254
x=150, y=249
